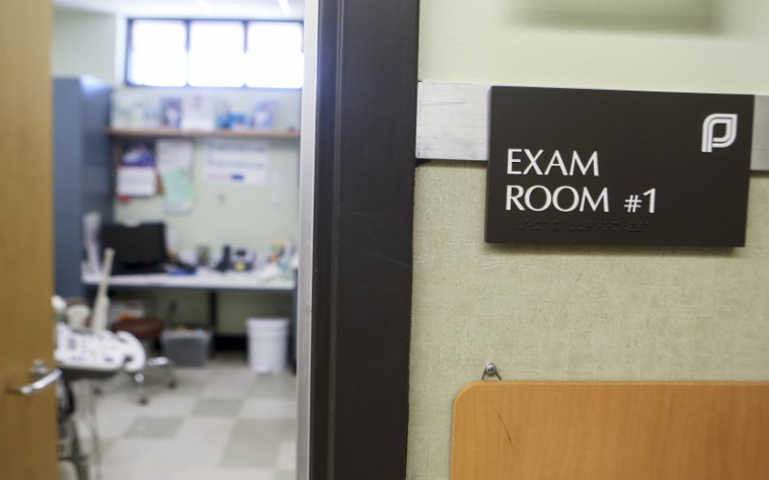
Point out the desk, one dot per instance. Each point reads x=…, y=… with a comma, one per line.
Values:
x=211, y=281
x=202, y=280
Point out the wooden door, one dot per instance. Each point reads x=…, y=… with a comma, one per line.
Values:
x=27, y=423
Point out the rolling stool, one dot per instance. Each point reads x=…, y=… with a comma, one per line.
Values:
x=147, y=330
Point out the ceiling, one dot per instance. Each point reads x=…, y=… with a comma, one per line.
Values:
x=275, y=9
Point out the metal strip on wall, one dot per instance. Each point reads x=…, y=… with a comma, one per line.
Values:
x=453, y=124
x=759, y=157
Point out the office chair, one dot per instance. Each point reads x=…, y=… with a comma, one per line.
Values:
x=148, y=331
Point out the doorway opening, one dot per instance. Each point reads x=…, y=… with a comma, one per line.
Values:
x=176, y=184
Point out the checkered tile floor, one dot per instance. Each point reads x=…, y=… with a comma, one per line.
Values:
x=223, y=422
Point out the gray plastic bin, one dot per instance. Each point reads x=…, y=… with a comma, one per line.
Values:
x=187, y=348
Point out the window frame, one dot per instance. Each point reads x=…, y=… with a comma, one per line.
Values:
x=187, y=21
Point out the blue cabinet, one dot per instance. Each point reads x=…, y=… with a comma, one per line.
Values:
x=83, y=171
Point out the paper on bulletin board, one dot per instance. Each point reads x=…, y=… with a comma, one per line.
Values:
x=178, y=192
x=136, y=181
x=236, y=162
x=174, y=163
x=173, y=154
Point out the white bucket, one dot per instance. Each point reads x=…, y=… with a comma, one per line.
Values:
x=267, y=344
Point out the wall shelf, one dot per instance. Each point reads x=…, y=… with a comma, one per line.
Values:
x=175, y=133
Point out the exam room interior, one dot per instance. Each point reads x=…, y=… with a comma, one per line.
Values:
x=222, y=420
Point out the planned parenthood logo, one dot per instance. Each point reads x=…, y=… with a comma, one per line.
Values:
x=709, y=140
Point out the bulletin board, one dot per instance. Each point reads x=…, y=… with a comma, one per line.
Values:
x=611, y=431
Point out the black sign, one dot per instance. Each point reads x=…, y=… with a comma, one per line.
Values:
x=618, y=167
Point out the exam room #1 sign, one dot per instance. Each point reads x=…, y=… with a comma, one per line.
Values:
x=618, y=167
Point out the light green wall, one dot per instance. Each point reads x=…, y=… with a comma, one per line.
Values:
x=495, y=41
x=557, y=313
x=86, y=43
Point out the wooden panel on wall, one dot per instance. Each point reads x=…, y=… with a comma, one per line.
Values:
x=611, y=431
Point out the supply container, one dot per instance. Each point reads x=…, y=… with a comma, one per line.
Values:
x=267, y=344
x=187, y=348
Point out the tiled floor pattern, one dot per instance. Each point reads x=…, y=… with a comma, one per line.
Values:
x=223, y=422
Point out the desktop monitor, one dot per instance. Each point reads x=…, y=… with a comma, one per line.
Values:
x=139, y=248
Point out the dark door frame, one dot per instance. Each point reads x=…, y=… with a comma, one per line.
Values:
x=362, y=238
